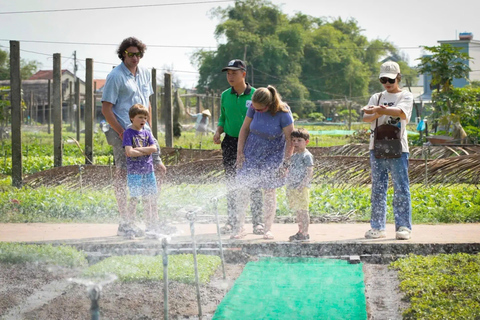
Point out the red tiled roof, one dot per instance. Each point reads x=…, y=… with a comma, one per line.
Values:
x=99, y=82
x=44, y=74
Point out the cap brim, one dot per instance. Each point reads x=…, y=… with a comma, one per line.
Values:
x=232, y=68
x=387, y=75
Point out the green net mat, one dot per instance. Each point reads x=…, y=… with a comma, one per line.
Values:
x=296, y=288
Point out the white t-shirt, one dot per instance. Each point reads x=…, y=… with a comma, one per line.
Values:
x=402, y=100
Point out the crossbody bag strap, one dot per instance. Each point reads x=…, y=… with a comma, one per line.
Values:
x=376, y=120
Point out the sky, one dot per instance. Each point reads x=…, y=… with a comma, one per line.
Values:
x=174, y=29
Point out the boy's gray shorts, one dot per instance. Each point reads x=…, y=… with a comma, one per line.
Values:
x=119, y=152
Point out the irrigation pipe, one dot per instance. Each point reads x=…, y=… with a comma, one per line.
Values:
x=215, y=209
x=165, y=278
x=191, y=217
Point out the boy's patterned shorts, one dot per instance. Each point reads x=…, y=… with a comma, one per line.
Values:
x=141, y=185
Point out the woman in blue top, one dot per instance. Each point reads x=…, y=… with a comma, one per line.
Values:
x=264, y=145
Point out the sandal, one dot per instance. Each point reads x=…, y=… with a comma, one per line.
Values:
x=268, y=235
x=258, y=229
x=226, y=229
x=239, y=235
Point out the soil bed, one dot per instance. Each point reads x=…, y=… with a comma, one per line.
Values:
x=43, y=292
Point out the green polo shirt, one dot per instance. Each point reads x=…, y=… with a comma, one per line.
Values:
x=233, y=110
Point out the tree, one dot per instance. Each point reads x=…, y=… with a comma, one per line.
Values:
x=27, y=68
x=306, y=58
x=445, y=64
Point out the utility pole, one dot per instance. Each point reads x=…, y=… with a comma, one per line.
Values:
x=75, y=67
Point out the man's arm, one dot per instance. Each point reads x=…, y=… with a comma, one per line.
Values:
x=216, y=136
x=107, y=111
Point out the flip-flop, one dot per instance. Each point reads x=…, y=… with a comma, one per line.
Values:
x=268, y=235
x=239, y=235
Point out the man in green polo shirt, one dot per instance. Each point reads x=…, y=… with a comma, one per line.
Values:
x=232, y=113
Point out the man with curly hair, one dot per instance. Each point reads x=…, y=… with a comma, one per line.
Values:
x=126, y=85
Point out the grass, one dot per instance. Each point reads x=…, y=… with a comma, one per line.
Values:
x=432, y=204
x=444, y=286
x=147, y=268
x=60, y=255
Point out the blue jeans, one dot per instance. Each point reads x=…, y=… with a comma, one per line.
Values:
x=402, y=206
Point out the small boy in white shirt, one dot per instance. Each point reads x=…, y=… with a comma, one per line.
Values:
x=299, y=176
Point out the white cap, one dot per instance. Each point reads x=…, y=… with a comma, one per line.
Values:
x=389, y=69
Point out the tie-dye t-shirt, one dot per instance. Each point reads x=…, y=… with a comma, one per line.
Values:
x=134, y=138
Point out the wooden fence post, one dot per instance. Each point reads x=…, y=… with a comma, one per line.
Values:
x=16, y=105
x=168, y=110
x=89, y=111
x=57, y=110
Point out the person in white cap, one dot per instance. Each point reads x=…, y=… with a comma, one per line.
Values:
x=393, y=106
x=201, y=121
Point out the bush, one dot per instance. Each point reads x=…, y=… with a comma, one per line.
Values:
x=316, y=116
x=444, y=286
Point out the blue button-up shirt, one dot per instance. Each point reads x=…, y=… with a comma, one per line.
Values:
x=123, y=90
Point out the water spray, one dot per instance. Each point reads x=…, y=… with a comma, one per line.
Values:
x=94, y=290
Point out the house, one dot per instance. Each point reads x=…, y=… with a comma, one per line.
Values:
x=35, y=93
x=67, y=79
x=467, y=45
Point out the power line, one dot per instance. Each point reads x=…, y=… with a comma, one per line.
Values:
x=116, y=7
x=107, y=44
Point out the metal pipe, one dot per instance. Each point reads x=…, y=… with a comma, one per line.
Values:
x=165, y=278
x=94, y=295
x=191, y=218
x=220, y=244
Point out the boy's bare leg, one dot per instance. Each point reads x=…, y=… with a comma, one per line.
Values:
x=151, y=211
x=270, y=205
x=303, y=221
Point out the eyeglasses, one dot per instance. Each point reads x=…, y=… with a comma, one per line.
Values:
x=261, y=110
x=385, y=80
x=132, y=54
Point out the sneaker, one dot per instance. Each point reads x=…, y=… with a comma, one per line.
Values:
x=226, y=229
x=403, y=233
x=167, y=229
x=299, y=237
x=375, y=234
x=129, y=235
x=125, y=229
x=153, y=234
x=258, y=229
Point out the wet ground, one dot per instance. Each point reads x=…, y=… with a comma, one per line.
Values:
x=44, y=292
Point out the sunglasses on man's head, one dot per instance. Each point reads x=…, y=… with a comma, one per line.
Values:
x=385, y=80
x=131, y=54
